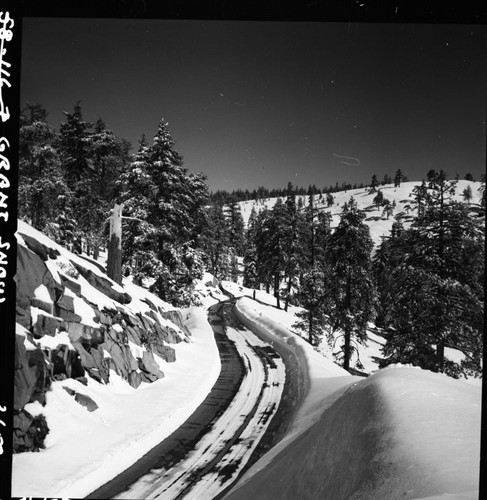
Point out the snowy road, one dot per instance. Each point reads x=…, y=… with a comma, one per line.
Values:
x=207, y=457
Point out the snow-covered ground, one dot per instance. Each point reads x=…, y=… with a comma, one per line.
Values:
x=378, y=223
x=260, y=388
x=84, y=450
x=403, y=432
x=367, y=353
x=418, y=431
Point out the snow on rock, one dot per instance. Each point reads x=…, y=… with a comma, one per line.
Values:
x=82, y=341
x=127, y=423
x=402, y=433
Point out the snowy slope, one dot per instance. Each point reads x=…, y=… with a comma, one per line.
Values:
x=368, y=353
x=83, y=448
x=401, y=433
x=378, y=223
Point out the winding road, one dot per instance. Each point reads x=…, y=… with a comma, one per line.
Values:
x=246, y=412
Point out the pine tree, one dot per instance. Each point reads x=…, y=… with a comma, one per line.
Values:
x=109, y=155
x=329, y=200
x=312, y=293
x=137, y=192
x=216, y=243
x=312, y=297
x=236, y=228
x=378, y=199
x=398, y=178
x=388, y=208
x=250, y=278
x=43, y=192
x=352, y=291
x=467, y=194
x=165, y=219
x=373, y=184
x=434, y=297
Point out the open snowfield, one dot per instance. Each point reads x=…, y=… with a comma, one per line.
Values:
x=84, y=450
x=378, y=223
x=403, y=432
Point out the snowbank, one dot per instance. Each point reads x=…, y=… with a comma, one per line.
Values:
x=401, y=433
x=84, y=450
x=323, y=381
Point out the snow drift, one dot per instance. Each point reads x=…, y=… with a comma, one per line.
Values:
x=401, y=433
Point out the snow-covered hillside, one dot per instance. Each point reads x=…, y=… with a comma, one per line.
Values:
x=378, y=223
x=108, y=392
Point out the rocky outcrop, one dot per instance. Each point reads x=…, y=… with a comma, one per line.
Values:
x=175, y=317
x=103, y=285
x=82, y=399
x=32, y=375
x=115, y=339
x=38, y=248
x=149, y=368
x=29, y=432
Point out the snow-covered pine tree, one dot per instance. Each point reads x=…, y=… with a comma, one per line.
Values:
x=276, y=247
x=293, y=251
x=43, y=193
x=216, y=242
x=109, y=155
x=312, y=292
x=467, y=194
x=349, y=281
x=378, y=199
x=312, y=297
x=174, y=218
x=373, y=184
x=250, y=278
x=398, y=177
x=236, y=228
x=434, y=298
x=137, y=192
x=388, y=208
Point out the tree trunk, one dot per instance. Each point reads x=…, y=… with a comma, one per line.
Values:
x=310, y=331
x=114, y=261
x=288, y=293
x=276, y=290
x=440, y=355
x=346, y=347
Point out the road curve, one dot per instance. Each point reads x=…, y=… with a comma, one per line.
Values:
x=174, y=448
x=205, y=456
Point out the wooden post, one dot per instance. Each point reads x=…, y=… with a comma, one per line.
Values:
x=114, y=260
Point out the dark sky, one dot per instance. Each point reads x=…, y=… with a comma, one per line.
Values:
x=263, y=103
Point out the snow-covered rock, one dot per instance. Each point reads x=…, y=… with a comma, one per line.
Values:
x=97, y=375
x=79, y=323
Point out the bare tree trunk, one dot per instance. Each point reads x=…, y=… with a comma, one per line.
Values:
x=440, y=355
x=346, y=347
x=276, y=290
x=114, y=261
x=288, y=293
